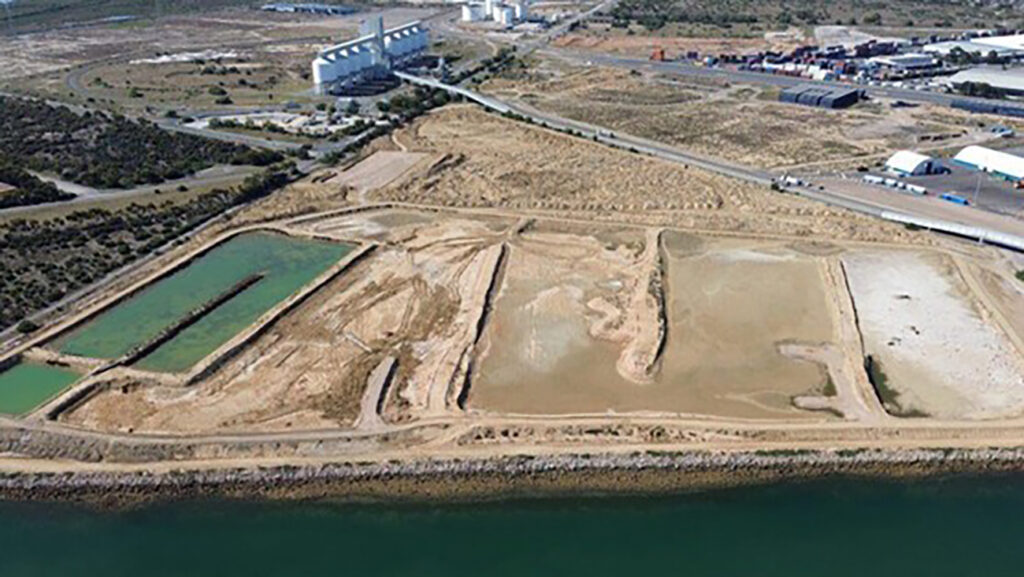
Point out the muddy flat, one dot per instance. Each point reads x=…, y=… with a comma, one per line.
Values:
x=728, y=311
x=730, y=308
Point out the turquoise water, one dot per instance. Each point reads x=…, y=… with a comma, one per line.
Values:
x=960, y=527
x=25, y=386
x=287, y=263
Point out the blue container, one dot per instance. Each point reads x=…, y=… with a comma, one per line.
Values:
x=955, y=199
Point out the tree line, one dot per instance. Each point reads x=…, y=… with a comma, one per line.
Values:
x=28, y=189
x=42, y=261
x=109, y=150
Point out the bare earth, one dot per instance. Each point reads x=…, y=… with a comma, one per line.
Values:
x=523, y=292
x=744, y=124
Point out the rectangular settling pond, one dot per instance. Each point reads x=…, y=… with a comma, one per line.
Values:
x=25, y=386
x=285, y=263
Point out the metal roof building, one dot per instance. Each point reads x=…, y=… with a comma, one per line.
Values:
x=905, y=61
x=970, y=47
x=996, y=162
x=1011, y=80
x=908, y=163
x=1014, y=42
x=823, y=96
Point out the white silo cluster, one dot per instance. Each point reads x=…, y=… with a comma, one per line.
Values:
x=375, y=52
x=503, y=13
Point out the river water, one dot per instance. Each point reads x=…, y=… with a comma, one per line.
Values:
x=955, y=526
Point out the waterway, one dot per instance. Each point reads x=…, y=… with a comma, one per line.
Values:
x=939, y=527
x=27, y=385
x=286, y=264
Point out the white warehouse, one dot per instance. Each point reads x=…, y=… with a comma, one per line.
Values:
x=999, y=163
x=374, y=53
x=908, y=163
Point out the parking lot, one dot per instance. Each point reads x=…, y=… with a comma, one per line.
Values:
x=980, y=189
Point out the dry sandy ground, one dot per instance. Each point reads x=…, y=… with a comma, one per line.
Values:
x=380, y=169
x=935, y=343
x=488, y=161
x=744, y=124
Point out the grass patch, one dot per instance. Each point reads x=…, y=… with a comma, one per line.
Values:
x=1020, y=275
x=889, y=396
x=829, y=388
x=830, y=411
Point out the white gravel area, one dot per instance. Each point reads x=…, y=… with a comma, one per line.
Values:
x=918, y=317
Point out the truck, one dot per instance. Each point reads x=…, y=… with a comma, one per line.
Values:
x=954, y=198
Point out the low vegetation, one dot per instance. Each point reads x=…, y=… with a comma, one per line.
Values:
x=27, y=190
x=43, y=261
x=37, y=14
x=829, y=389
x=747, y=16
x=889, y=396
x=108, y=151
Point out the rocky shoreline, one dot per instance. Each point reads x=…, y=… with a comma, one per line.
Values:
x=506, y=477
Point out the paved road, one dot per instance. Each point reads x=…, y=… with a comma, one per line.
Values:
x=752, y=77
x=972, y=223
x=215, y=176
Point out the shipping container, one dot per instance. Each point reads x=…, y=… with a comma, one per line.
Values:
x=955, y=199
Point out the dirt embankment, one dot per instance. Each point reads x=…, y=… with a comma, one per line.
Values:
x=641, y=322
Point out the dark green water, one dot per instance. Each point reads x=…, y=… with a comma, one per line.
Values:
x=287, y=263
x=960, y=527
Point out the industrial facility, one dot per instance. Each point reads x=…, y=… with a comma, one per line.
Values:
x=371, y=56
x=505, y=14
x=320, y=9
x=998, y=163
x=1010, y=81
x=903, y=62
x=909, y=163
x=821, y=96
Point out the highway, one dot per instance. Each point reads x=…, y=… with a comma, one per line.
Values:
x=735, y=75
x=970, y=224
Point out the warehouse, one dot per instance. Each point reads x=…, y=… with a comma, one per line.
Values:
x=822, y=96
x=1009, y=80
x=969, y=47
x=908, y=163
x=995, y=162
x=904, y=62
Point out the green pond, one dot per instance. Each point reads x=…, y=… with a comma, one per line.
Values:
x=836, y=528
x=287, y=264
x=25, y=386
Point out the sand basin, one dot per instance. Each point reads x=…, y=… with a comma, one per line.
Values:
x=729, y=308
x=921, y=321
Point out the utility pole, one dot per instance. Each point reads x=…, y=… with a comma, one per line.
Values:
x=977, y=189
x=7, y=11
